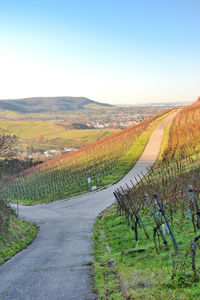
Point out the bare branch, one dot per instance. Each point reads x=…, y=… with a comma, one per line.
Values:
x=7, y=144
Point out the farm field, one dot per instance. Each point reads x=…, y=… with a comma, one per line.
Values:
x=104, y=162
x=48, y=135
x=152, y=260
x=47, y=116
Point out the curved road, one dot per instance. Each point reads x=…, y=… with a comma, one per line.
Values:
x=54, y=266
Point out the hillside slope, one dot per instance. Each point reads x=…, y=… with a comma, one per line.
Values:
x=155, y=260
x=50, y=104
x=184, y=134
x=102, y=162
x=15, y=233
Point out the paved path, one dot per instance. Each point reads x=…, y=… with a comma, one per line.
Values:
x=54, y=266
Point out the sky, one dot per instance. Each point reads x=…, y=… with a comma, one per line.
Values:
x=114, y=51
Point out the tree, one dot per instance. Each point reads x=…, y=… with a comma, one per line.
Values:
x=7, y=144
x=40, y=138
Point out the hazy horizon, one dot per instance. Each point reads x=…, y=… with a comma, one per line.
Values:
x=101, y=101
x=117, y=52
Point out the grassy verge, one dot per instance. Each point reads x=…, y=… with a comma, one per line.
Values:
x=145, y=275
x=164, y=140
x=15, y=235
x=107, y=284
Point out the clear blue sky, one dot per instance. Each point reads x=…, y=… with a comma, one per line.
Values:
x=112, y=51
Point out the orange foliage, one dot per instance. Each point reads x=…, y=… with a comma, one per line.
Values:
x=184, y=136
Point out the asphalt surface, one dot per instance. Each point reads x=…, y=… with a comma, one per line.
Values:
x=54, y=266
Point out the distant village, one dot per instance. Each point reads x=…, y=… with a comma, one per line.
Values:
x=126, y=121
x=108, y=121
x=51, y=153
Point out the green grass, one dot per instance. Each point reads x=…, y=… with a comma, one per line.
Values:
x=145, y=275
x=31, y=130
x=46, y=135
x=107, y=285
x=164, y=140
x=12, y=115
x=16, y=235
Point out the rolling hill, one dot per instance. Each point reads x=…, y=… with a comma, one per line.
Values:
x=50, y=104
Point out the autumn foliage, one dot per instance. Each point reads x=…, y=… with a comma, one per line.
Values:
x=184, y=136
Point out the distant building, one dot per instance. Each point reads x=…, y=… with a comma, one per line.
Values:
x=52, y=152
x=70, y=149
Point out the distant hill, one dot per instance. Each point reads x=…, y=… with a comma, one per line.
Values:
x=50, y=104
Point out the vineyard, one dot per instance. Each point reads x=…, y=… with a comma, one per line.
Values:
x=184, y=137
x=162, y=212
x=170, y=192
x=68, y=174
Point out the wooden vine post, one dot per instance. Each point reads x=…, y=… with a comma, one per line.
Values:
x=138, y=217
x=160, y=208
x=158, y=227
x=193, y=199
x=193, y=246
x=120, y=199
x=141, y=224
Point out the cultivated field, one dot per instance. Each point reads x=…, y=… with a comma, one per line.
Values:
x=46, y=135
